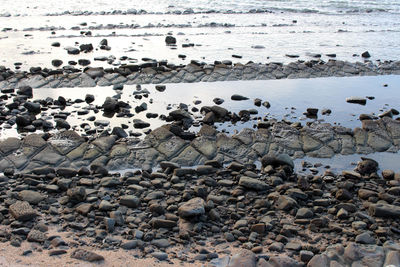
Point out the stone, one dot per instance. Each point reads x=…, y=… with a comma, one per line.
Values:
x=85, y=255
x=76, y=194
x=237, y=97
x=384, y=210
x=285, y=203
x=306, y=256
x=365, y=238
x=318, y=261
x=243, y=258
x=392, y=259
x=36, y=236
x=253, y=184
x=22, y=211
x=161, y=256
x=170, y=40
x=32, y=197
x=356, y=100
x=277, y=160
x=192, y=208
x=161, y=223
x=304, y=213
x=130, y=201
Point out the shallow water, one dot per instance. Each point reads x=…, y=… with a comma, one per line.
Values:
x=294, y=27
x=289, y=99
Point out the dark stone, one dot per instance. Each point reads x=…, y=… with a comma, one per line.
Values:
x=169, y=40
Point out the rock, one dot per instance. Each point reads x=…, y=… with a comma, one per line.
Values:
x=139, y=124
x=160, y=87
x=160, y=243
x=32, y=197
x=161, y=223
x=388, y=174
x=86, y=47
x=84, y=62
x=23, y=120
x=55, y=44
x=384, y=210
x=85, y=255
x=130, y=201
x=304, y=213
x=110, y=105
x=72, y=50
x=318, y=261
x=285, y=203
x=192, y=208
x=218, y=101
x=118, y=131
x=161, y=256
x=392, y=259
x=25, y=90
x=243, y=258
x=253, y=184
x=170, y=40
x=367, y=166
x=237, y=97
x=130, y=245
x=366, y=54
x=306, y=256
x=365, y=238
x=56, y=62
x=312, y=111
x=36, y=236
x=279, y=160
x=22, y=211
x=76, y=194
x=356, y=100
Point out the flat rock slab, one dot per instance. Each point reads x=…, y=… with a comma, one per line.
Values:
x=22, y=211
x=85, y=255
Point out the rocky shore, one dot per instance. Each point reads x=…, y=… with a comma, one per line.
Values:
x=203, y=215
x=162, y=72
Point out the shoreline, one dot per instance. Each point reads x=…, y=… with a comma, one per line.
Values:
x=163, y=72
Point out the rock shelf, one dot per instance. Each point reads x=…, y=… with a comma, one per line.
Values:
x=69, y=149
x=161, y=72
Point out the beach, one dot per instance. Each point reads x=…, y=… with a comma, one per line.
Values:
x=159, y=133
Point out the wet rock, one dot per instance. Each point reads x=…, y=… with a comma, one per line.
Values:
x=86, y=48
x=218, y=101
x=56, y=62
x=25, y=90
x=139, y=124
x=237, y=97
x=85, y=255
x=367, y=166
x=277, y=160
x=22, y=211
x=170, y=40
x=110, y=104
x=160, y=87
x=192, y=208
x=356, y=100
x=72, y=50
x=366, y=54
